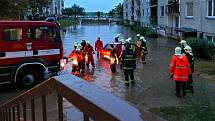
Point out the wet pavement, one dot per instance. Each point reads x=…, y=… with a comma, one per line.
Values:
x=150, y=78
x=153, y=87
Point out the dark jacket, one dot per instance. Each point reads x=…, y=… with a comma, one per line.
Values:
x=191, y=61
x=128, y=59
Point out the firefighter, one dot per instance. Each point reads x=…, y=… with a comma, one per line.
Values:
x=179, y=71
x=141, y=49
x=118, y=47
x=113, y=59
x=183, y=45
x=138, y=37
x=75, y=57
x=116, y=39
x=83, y=44
x=128, y=62
x=190, y=58
x=98, y=46
x=88, y=53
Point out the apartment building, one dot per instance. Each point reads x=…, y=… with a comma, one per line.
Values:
x=199, y=16
x=132, y=11
x=127, y=11
x=56, y=7
x=179, y=18
x=145, y=12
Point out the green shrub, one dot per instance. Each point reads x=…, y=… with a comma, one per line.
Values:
x=145, y=31
x=151, y=33
x=68, y=22
x=202, y=48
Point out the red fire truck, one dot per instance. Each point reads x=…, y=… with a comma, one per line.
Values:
x=30, y=51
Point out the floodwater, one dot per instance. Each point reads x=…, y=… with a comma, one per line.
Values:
x=155, y=69
x=153, y=87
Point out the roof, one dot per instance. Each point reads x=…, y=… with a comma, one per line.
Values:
x=185, y=29
x=25, y=23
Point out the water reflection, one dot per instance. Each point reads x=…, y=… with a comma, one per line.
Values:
x=147, y=77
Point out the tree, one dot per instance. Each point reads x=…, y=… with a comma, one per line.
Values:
x=111, y=13
x=13, y=9
x=98, y=14
x=67, y=11
x=117, y=11
x=77, y=10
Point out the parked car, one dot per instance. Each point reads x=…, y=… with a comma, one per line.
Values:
x=106, y=50
x=52, y=19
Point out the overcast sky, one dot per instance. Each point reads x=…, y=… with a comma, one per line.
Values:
x=94, y=5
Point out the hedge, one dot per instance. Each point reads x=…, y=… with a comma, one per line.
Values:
x=202, y=48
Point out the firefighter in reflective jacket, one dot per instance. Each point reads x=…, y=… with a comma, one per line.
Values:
x=141, y=49
x=190, y=58
x=128, y=62
x=179, y=70
x=98, y=46
x=76, y=57
x=88, y=53
x=118, y=47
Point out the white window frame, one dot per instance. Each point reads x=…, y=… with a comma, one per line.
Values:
x=212, y=14
x=187, y=10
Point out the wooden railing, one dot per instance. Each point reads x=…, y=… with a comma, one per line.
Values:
x=93, y=102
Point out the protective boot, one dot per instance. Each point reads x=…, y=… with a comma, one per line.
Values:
x=127, y=83
x=132, y=82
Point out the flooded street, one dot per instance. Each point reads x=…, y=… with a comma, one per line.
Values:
x=153, y=87
x=150, y=78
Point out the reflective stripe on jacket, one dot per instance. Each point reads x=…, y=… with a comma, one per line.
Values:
x=180, y=67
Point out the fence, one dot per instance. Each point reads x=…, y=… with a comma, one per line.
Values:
x=93, y=102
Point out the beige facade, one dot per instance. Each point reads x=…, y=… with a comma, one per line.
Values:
x=181, y=15
x=203, y=19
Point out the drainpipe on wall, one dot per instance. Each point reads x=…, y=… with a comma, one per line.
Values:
x=201, y=31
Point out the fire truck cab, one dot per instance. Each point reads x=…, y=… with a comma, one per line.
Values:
x=30, y=52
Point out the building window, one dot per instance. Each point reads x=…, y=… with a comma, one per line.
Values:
x=190, y=9
x=211, y=8
x=162, y=10
x=143, y=12
x=12, y=34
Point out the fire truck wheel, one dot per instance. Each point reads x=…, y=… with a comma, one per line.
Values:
x=29, y=78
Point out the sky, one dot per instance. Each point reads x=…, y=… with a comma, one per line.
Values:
x=93, y=5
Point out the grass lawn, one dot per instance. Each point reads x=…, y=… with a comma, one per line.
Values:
x=205, y=66
x=186, y=113
x=68, y=22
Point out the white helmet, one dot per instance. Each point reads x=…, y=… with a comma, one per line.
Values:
x=75, y=43
x=122, y=40
x=117, y=35
x=143, y=38
x=188, y=48
x=88, y=42
x=177, y=51
x=79, y=46
x=138, y=35
x=128, y=40
x=183, y=42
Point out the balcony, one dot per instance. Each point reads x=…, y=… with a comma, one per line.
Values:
x=173, y=7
